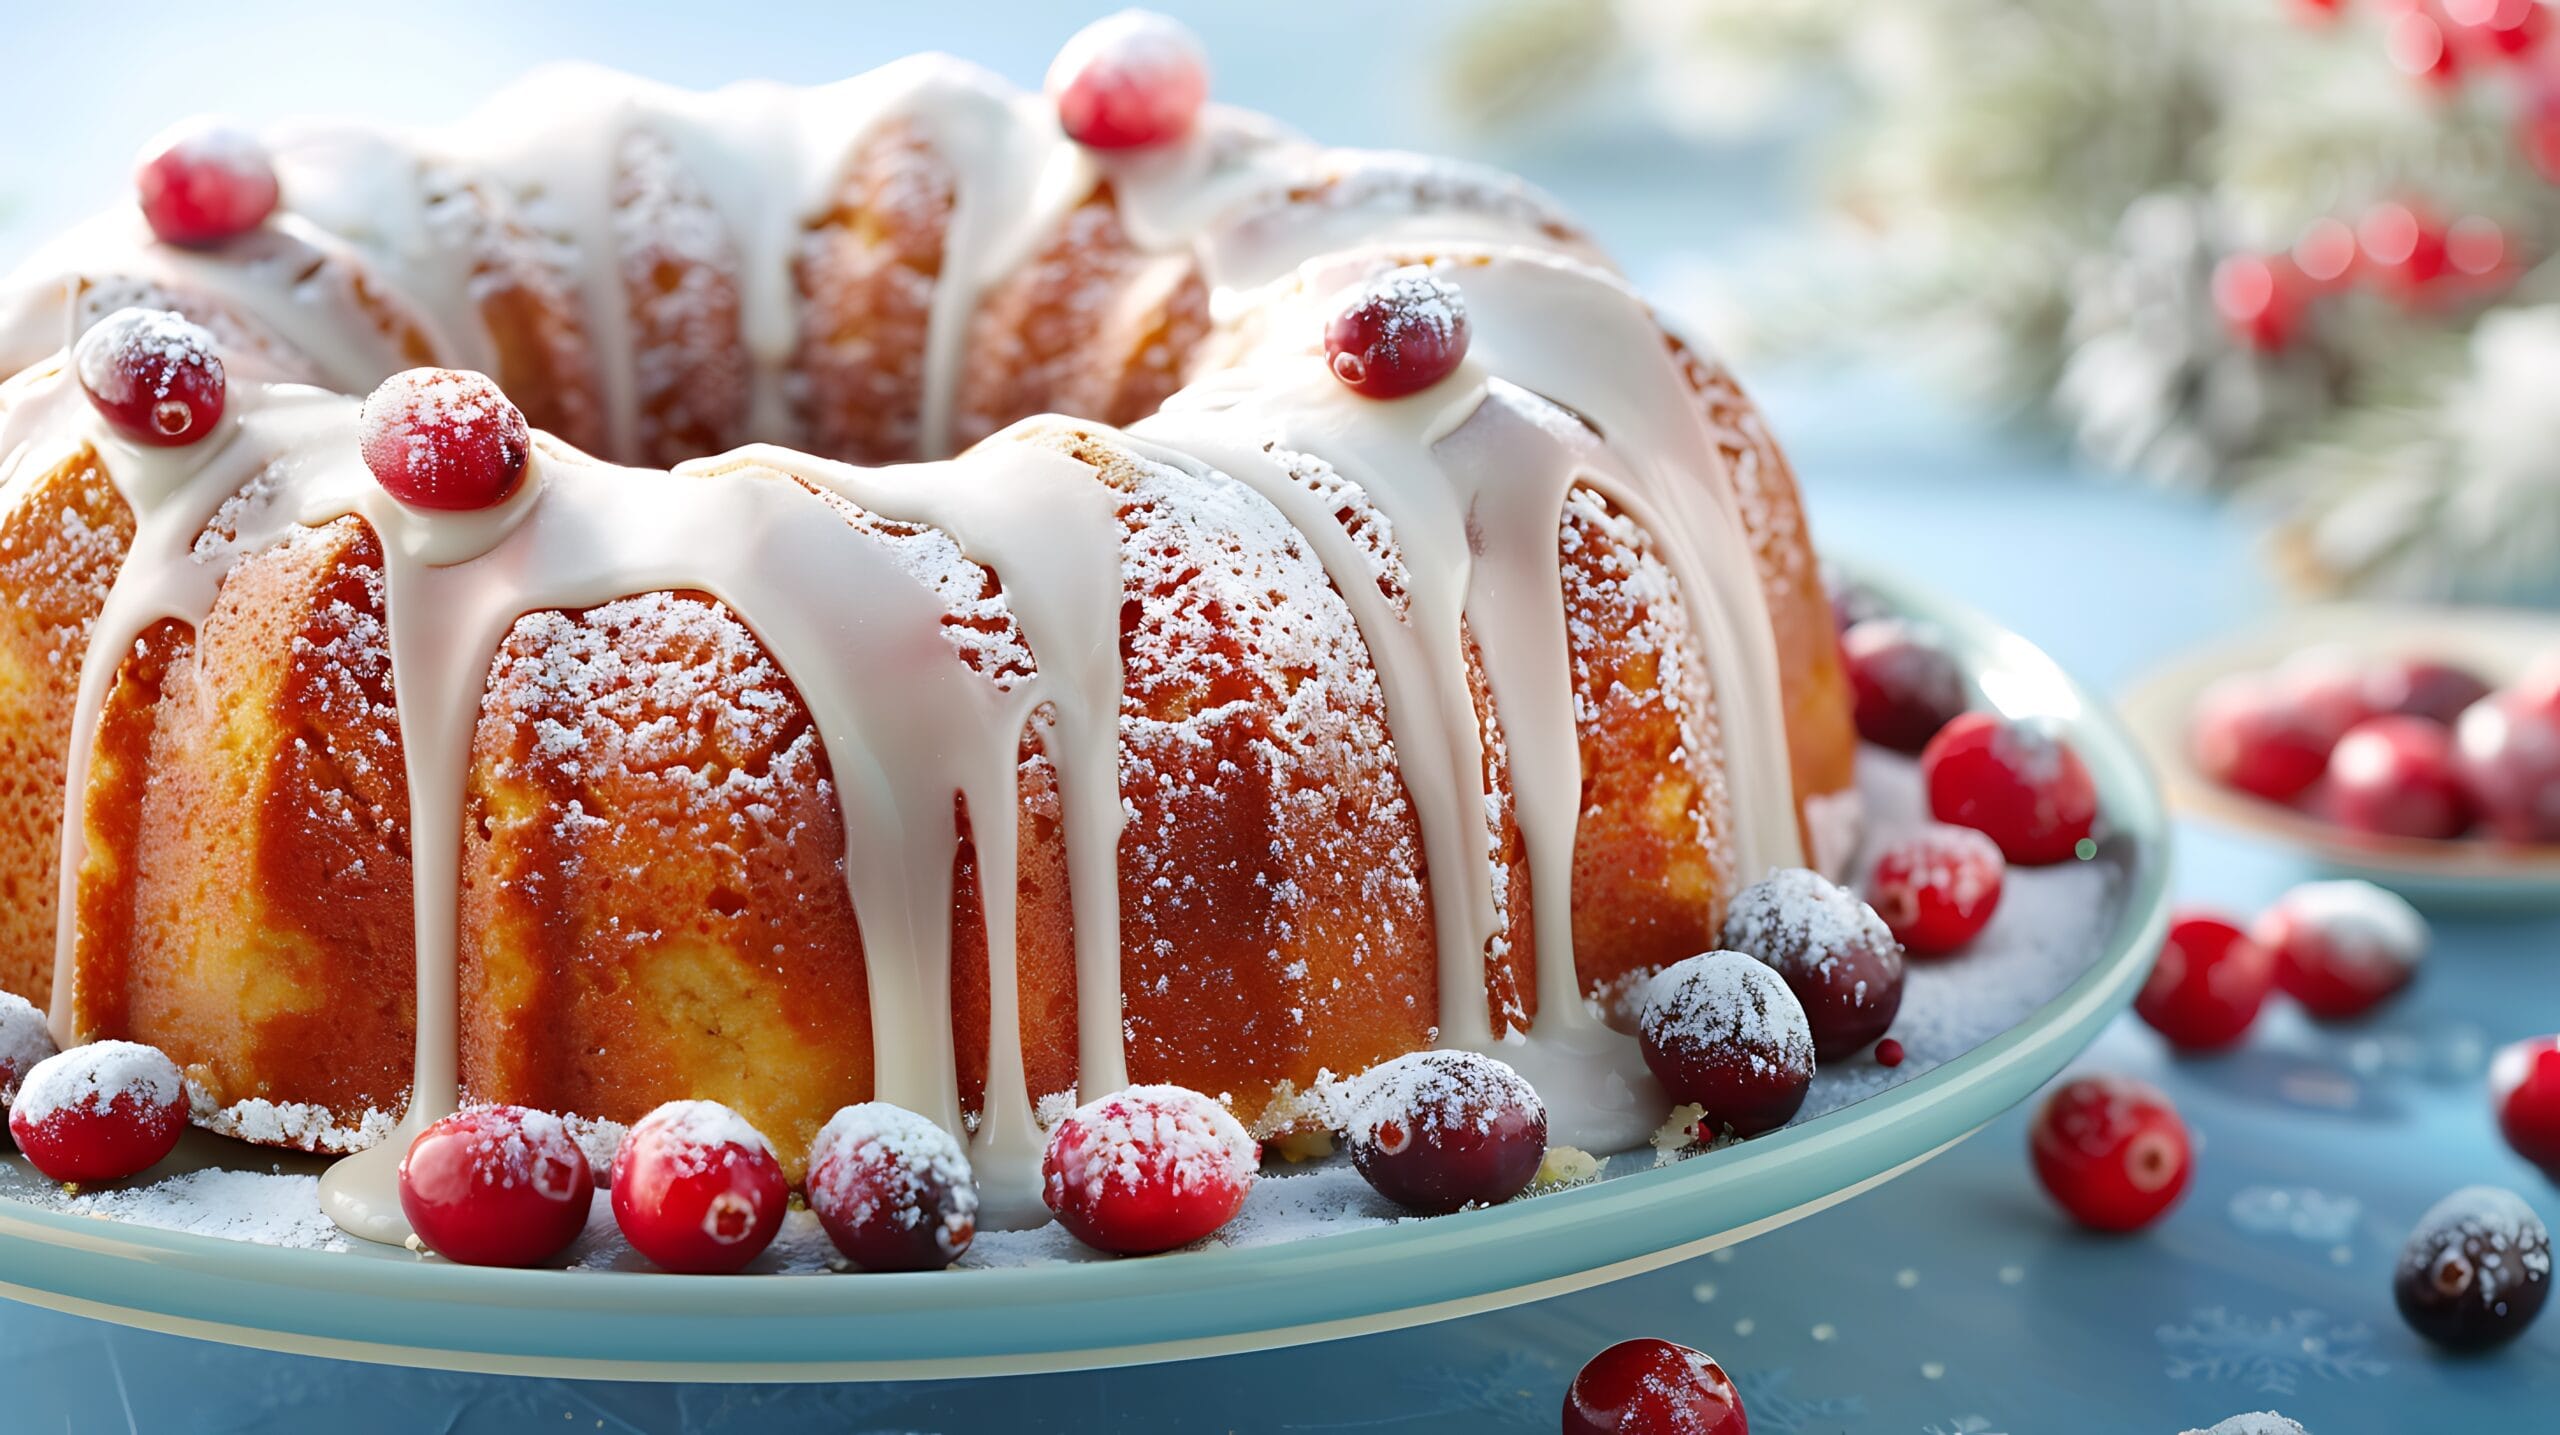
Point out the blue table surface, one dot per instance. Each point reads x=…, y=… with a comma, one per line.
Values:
x=1951, y=1300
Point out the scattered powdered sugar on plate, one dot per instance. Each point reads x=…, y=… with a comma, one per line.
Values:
x=266, y=1207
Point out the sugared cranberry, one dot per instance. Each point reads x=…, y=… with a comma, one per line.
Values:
x=204, y=183
x=24, y=1041
x=2507, y=746
x=1889, y=1052
x=2112, y=1152
x=496, y=1186
x=2396, y=777
x=152, y=375
x=697, y=1189
x=444, y=439
x=2524, y=1092
x=2246, y=735
x=99, y=1112
x=1722, y=1030
x=1147, y=1169
x=2422, y=687
x=2476, y=1270
x=1835, y=953
x=1653, y=1387
x=1905, y=684
x=1403, y=332
x=893, y=1189
x=2341, y=948
x=2016, y=782
x=2327, y=686
x=1129, y=81
x=1438, y=1130
x=1937, y=888
x=2207, y=986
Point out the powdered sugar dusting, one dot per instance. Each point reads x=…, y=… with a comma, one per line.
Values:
x=1437, y=1090
x=876, y=1137
x=1148, y=1134
x=2367, y=928
x=25, y=1041
x=301, y=1125
x=697, y=1133
x=2261, y=1422
x=1796, y=911
x=1727, y=1001
x=92, y=1076
x=264, y=1208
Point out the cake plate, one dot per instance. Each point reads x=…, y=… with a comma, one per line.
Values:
x=1983, y=1037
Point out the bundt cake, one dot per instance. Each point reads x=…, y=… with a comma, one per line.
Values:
x=1157, y=708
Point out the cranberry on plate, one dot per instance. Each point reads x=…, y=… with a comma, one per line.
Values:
x=2328, y=685
x=205, y=182
x=1133, y=80
x=696, y=1188
x=1837, y=955
x=2207, y=985
x=2342, y=948
x=1722, y=1031
x=2507, y=746
x=99, y=1112
x=2476, y=1269
x=496, y=1186
x=154, y=377
x=2396, y=777
x=1399, y=334
x=1904, y=683
x=2245, y=734
x=1653, y=1387
x=2112, y=1152
x=893, y=1189
x=25, y=1040
x=2014, y=781
x=1438, y=1130
x=1937, y=888
x=2429, y=688
x=2524, y=1093
x=1147, y=1169
x=444, y=439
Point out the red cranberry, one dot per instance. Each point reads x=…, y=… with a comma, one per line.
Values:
x=2023, y=786
x=1937, y=888
x=1439, y=1130
x=1889, y=1052
x=2396, y=776
x=697, y=1190
x=444, y=439
x=893, y=1190
x=2476, y=1270
x=2341, y=948
x=25, y=1040
x=2246, y=735
x=2508, y=748
x=2261, y=299
x=1906, y=686
x=153, y=376
x=496, y=1186
x=2503, y=29
x=2524, y=1091
x=2207, y=986
x=99, y=1112
x=202, y=184
x=2328, y=686
x=1147, y=1169
x=2111, y=1151
x=1835, y=953
x=2423, y=687
x=1652, y=1387
x=1129, y=81
x=1722, y=1031
x=1403, y=332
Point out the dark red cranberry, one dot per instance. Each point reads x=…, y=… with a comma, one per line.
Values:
x=2208, y=984
x=1937, y=888
x=1721, y=1030
x=1132, y=80
x=153, y=376
x=697, y=1189
x=496, y=1186
x=1889, y=1052
x=1402, y=333
x=2396, y=777
x=2507, y=746
x=1653, y=1387
x=1438, y=1130
x=2015, y=781
x=1905, y=684
x=2342, y=948
x=2524, y=1091
x=203, y=184
x=2112, y=1152
x=2422, y=687
x=444, y=439
x=2476, y=1270
x=1835, y=953
x=893, y=1189
x=2246, y=735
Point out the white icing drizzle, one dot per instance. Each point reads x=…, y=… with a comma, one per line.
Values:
x=1569, y=382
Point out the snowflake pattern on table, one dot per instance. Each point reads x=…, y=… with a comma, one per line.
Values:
x=2271, y=1356
x=1962, y=1425
x=1511, y=1383
x=1774, y=1410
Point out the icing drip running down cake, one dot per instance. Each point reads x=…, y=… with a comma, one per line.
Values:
x=981, y=617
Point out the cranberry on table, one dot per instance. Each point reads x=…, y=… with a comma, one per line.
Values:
x=1937, y=888
x=2342, y=948
x=696, y=1189
x=1435, y=1131
x=2111, y=1151
x=2476, y=1269
x=2207, y=985
x=1399, y=334
x=154, y=377
x=1836, y=954
x=2014, y=781
x=893, y=1189
x=2246, y=735
x=2524, y=1093
x=1653, y=1387
x=1905, y=684
x=99, y=1112
x=2396, y=777
x=204, y=183
x=2507, y=747
x=1147, y=1169
x=25, y=1040
x=1722, y=1031
x=1133, y=80
x=496, y=1186
x=444, y=439
x=2422, y=687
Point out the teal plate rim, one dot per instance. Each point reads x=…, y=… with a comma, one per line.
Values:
x=652, y=1326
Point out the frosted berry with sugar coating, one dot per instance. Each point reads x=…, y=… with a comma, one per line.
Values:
x=893, y=1189
x=1723, y=1032
x=1438, y=1130
x=1147, y=1169
x=1836, y=954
